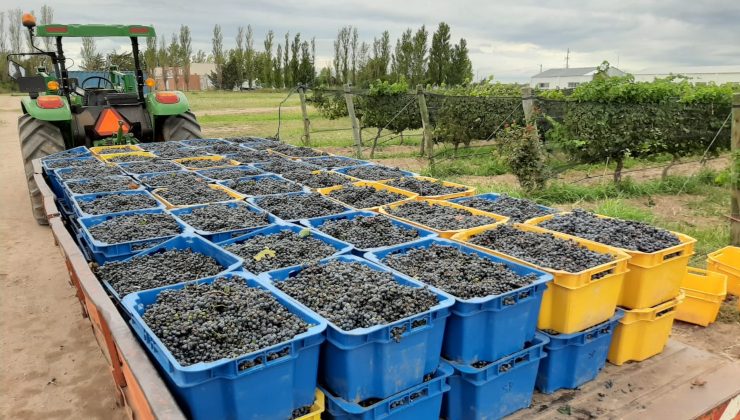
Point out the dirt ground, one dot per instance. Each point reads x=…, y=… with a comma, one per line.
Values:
x=50, y=363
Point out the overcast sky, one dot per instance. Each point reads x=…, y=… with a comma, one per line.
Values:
x=510, y=39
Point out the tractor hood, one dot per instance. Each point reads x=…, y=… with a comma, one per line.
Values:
x=97, y=31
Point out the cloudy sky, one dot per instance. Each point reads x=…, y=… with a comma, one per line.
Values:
x=508, y=39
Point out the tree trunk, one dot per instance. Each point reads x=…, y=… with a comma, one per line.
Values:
x=618, y=170
x=664, y=173
x=401, y=136
x=375, y=143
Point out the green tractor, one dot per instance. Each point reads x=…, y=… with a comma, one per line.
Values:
x=61, y=112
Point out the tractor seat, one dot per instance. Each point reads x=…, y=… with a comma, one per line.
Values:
x=122, y=98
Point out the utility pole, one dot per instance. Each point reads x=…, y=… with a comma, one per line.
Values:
x=735, y=185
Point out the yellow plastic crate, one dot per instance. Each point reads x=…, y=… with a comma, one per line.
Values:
x=653, y=277
x=495, y=218
x=572, y=301
x=705, y=291
x=727, y=262
x=235, y=196
x=316, y=409
x=123, y=148
x=218, y=162
x=377, y=185
x=467, y=193
x=110, y=156
x=643, y=333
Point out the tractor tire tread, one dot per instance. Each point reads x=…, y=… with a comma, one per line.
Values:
x=181, y=127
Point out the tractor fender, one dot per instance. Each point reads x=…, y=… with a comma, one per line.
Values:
x=31, y=107
x=157, y=109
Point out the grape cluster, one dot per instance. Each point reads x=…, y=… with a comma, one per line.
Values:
x=224, y=319
x=113, y=203
x=191, y=194
x=263, y=186
x=263, y=253
x=125, y=149
x=375, y=172
x=63, y=155
x=352, y=295
x=135, y=227
x=439, y=217
x=102, y=184
x=542, y=249
x=285, y=165
x=320, y=179
x=627, y=234
x=460, y=274
x=205, y=163
x=222, y=217
x=424, y=187
x=72, y=163
x=517, y=209
x=85, y=172
x=332, y=162
x=245, y=155
x=223, y=148
x=204, y=142
x=299, y=206
x=368, y=232
x=178, y=152
x=235, y=172
x=179, y=179
x=156, y=270
x=247, y=139
x=125, y=158
x=365, y=197
x=295, y=151
x=154, y=165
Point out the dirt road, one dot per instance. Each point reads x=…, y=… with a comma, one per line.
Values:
x=50, y=364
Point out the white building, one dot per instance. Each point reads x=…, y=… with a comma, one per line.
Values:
x=567, y=77
x=696, y=74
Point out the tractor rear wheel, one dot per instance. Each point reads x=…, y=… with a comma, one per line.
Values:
x=38, y=139
x=181, y=127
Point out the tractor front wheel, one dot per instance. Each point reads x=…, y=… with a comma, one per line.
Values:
x=181, y=127
x=38, y=139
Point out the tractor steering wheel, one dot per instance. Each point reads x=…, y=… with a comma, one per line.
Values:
x=82, y=85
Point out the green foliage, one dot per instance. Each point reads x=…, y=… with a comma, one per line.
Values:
x=525, y=155
x=390, y=106
x=330, y=103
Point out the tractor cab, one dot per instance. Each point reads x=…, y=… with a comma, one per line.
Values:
x=61, y=112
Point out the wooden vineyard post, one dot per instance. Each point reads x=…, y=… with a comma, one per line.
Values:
x=428, y=145
x=528, y=103
x=735, y=184
x=306, y=121
x=353, y=119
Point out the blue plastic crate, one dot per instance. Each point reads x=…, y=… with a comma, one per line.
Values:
x=78, y=151
x=574, y=359
x=47, y=164
x=317, y=222
x=226, y=235
x=75, y=200
x=229, y=182
x=349, y=161
x=367, y=362
x=496, y=390
x=227, y=260
x=125, y=166
x=271, y=389
x=340, y=247
x=68, y=195
x=485, y=328
x=344, y=171
x=494, y=197
x=255, y=202
x=211, y=174
x=422, y=401
x=144, y=178
x=51, y=173
x=104, y=252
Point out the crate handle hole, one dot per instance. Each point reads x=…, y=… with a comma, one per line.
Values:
x=672, y=255
x=509, y=301
x=419, y=394
x=247, y=364
x=505, y=367
x=398, y=403
x=285, y=351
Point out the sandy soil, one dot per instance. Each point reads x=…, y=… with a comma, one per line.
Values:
x=50, y=363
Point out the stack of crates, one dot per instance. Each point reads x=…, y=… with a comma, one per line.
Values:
x=490, y=342
x=578, y=313
x=650, y=294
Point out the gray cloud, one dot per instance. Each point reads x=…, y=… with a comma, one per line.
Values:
x=509, y=39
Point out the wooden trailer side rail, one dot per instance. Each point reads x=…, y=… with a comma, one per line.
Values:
x=140, y=388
